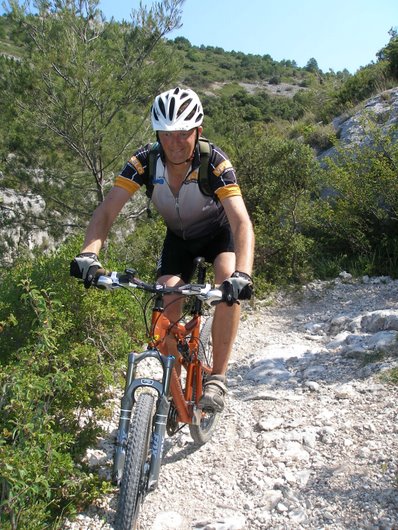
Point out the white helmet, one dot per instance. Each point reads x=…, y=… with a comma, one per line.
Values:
x=178, y=109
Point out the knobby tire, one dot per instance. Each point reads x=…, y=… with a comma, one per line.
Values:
x=135, y=474
x=204, y=431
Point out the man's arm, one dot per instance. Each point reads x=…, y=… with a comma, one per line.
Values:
x=242, y=231
x=103, y=219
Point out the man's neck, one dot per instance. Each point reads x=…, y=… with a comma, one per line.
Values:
x=178, y=171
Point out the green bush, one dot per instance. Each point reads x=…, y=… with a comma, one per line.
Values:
x=356, y=218
x=364, y=84
x=318, y=136
x=390, y=53
x=277, y=177
x=62, y=348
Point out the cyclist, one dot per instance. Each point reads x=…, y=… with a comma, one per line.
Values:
x=217, y=228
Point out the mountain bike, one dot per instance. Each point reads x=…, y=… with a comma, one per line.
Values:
x=153, y=406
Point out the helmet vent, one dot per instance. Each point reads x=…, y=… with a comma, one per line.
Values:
x=162, y=108
x=171, y=108
x=192, y=113
x=177, y=110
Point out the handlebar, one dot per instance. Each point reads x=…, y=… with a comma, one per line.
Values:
x=114, y=280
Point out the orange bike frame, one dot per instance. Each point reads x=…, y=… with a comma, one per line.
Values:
x=161, y=328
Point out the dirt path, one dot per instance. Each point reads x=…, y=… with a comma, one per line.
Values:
x=309, y=436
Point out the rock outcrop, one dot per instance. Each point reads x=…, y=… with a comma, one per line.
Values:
x=19, y=224
x=380, y=111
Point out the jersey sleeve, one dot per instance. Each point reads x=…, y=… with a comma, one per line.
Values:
x=222, y=176
x=131, y=178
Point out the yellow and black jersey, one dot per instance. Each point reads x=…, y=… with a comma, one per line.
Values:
x=190, y=214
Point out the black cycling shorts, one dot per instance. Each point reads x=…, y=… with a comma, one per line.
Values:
x=178, y=254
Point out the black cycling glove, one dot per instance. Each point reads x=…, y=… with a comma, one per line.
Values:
x=84, y=266
x=238, y=287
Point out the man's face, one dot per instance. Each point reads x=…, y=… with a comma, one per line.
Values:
x=178, y=146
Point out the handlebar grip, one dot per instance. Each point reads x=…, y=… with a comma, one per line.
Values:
x=124, y=278
x=104, y=279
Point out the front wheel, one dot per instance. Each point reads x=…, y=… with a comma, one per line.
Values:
x=208, y=422
x=135, y=474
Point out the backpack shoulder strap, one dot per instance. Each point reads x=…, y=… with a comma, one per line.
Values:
x=150, y=172
x=205, y=150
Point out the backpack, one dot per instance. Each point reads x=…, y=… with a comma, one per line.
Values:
x=205, y=150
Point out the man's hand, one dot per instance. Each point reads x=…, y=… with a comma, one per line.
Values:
x=238, y=287
x=84, y=266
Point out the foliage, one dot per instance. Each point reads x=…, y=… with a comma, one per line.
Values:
x=75, y=94
x=338, y=94
x=318, y=136
x=62, y=348
x=390, y=53
x=313, y=220
x=83, y=87
x=249, y=108
x=208, y=64
x=358, y=206
x=390, y=376
x=277, y=177
x=141, y=248
x=367, y=81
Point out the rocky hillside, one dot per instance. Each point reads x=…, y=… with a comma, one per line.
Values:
x=21, y=231
x=308, y=439
x=381, y=110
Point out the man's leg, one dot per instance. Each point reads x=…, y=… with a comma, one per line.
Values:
x=226, y=318
x=225, y=327
x=172, y=303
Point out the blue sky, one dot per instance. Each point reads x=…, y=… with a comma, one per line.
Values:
x=338, y=34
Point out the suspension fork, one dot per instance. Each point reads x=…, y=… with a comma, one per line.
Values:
x=126, y=406
x=160, y=421
x=162, y=406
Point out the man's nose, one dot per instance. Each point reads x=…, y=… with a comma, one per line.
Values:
x=177, y=139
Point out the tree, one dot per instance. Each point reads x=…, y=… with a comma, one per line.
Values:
x=390, y=53
x=312, y=66
x=87, y=102
x=182, y=43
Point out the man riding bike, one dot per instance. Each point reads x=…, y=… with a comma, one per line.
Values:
x=216, y=227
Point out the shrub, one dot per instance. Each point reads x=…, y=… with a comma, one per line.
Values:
x=277, y=177
x=63, y=347
x=357, y=216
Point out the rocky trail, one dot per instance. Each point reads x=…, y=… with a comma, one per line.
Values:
x=308, y=439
